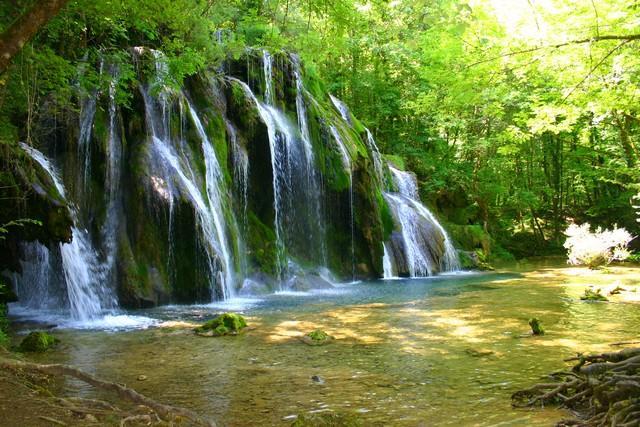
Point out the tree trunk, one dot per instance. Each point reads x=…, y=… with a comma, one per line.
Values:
x=23, y=30
x=627, y=144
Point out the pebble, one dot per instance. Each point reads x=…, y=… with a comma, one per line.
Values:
x=142, y=377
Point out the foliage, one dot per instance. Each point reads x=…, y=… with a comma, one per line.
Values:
x=4, y=228
x=515, y=118
x=596, y=248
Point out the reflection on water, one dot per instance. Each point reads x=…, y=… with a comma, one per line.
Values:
x=439, y=351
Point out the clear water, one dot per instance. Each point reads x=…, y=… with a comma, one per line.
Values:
x=403, y=354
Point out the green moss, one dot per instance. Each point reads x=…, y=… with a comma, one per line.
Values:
x=386, y=216
x=536, y=326
x=225, y=324
x=262, y=246
x=591, y=295
x=397, y=161
x=38, y=341
x=317, y=337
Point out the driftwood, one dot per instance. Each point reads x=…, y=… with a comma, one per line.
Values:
x=166, y=412
x=601, y=389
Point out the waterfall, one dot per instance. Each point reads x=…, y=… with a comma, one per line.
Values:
x=215, y=193
x=426, y=246
x=34, y=286
x=175, y=174
x=112, y=181
x=313, y=185
x=240, y=159
x=298, y=219
x=376, y=155
x=342, y=109
x=87, y=289
x=387, y=263
x=267, y=64
x=346, y=161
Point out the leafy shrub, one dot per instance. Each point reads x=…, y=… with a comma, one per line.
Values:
x=596, y=248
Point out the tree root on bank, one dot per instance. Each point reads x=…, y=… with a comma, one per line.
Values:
x=601, y=390
x=155, y=411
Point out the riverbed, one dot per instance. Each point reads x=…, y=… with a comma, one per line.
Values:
x=447, y=350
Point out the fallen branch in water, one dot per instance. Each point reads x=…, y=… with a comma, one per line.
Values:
x=167, y=412
x=602, y=389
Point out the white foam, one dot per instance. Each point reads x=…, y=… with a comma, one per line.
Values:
x=112, y=322
x=235, y=304
x=62, y=320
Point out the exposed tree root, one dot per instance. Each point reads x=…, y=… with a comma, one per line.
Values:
x=601, y=389
x=89, y=407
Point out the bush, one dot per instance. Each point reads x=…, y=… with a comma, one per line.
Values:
x=596, y=248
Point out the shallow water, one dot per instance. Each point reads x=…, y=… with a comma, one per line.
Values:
x=437, y=351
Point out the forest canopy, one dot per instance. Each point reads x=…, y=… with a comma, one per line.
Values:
x=517, y=116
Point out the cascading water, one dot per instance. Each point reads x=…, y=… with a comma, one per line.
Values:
x=190, y=195
x=342, y=109
x=215, y=192
x=426, y=247
x=175, y=174
x=298, y=218
x=387, y=263
x=346, y=161
x=377, y=156
x=313, y=185
x=87, y=291
x=112, y=182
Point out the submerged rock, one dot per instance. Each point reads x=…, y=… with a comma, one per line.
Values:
x=225, y=324
x=38, y=342
x=536, y=326
x=591, y=295
x=327, y=419
x=307, y=283
x=317, y=337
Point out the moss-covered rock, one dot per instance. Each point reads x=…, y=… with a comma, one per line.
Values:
x=317, y=337
x=593, y=295
x=536, y=326
x=225, y=324
x=38, y=342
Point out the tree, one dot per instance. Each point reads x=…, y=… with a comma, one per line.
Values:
x=25, y=28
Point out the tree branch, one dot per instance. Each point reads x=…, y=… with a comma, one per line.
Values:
x=625, y=38
x=25, y=28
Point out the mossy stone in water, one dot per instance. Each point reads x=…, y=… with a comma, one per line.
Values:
x=38, y=342
x=591, y=295
x=536, y=326
x=225, y=324
x=317, y=337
